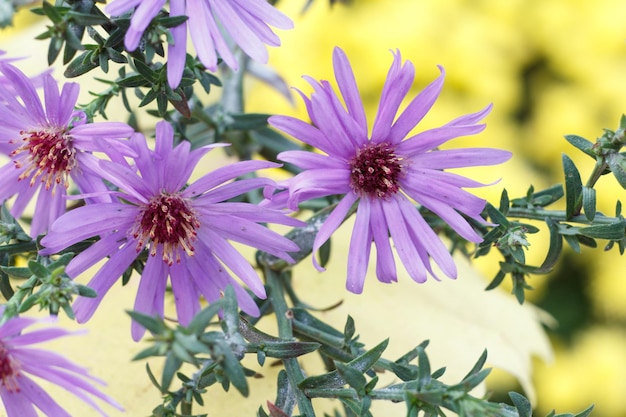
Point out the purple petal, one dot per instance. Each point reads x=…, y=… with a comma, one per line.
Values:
x=405, y=247
x=240, y=31
x=225, y=173
x=102, y=282
x=213, y=242
x=177, y=52
x=472, y=118
x=186, y=296
x=37, y=396
x=153, y=278
x=360, y=248
x=432, y=138
x=427, y=238
x=385, y=265
x=416, y=110
x=349, y=89
x=106, y=246
x=331, y=224
x=459, y=158
x=88, y=221
x=397, y=85
x=310, y=160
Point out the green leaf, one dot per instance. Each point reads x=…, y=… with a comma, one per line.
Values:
x=573, y=188
x=497, y=216
x=80, y=65
x=145, y=70
x=172, y=364
x=613, y=231
x=352, y=376
x=548, y=196
x=248, y=121
x=86, y=291
x=522, y=404
x=554, y=251
x=52, y=12
x=324, y=253
x=618, y=166
x=202, y=319
x=582, y=144
x=504, y=202
x=38, y=269
x=283, y=350
x=87, y=19
x=232, y=368
x=133, y=81
x=361, y=363
x=152, y=324
x=589, y=202
x=17, y=272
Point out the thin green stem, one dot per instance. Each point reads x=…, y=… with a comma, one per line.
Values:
x=283, y=314
x=595, y=175
x=557, y=215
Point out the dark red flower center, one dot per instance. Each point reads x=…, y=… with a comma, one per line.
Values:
x=47, y=154
x=375, y=170
x=9, y=370
x=168, y=220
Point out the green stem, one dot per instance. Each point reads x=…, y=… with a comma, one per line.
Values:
x=283, y=314
x=557, y=215
x=598, y=169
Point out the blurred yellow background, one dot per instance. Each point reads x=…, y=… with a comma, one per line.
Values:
x=551, y=67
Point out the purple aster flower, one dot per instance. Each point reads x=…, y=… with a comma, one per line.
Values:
x=49, y=146
x=19, y=361
x=384, y=174
x=212, y=24
x=184, y=228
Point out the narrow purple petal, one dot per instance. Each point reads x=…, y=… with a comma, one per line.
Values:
x=67, y=101
x=186, y=296
x=331, y=224
x=239, y=31
x=51, y=97
x=153, y=277
x=88, y=221
x=360, y=248
x=106, y=246
x=310, y=160
x=26, y=91
x=102, y=282
x=432, y=138
x=40, y=398
x=397, y=85
x=428, y=239
x=226, y=173
x=232, y=259
x=405, y=247
x=177, y=52
x=16, y=403
x=472, y=118
x=349, y=89
x=385, y=265
x=459, y=158
x=416, y=110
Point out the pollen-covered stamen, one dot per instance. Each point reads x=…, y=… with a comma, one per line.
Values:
x=47, y=154
x=9, y=370
x=168, y=220
x=375, y=170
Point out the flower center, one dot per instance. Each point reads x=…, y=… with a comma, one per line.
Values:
x=9, y=370
x=375, y=170
x=47, y=154
x=170, y=221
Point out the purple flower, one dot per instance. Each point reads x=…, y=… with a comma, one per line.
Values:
x=212, y=25
x=19, y=361
x=384, y=174
x=49, y=146
x=184, y=228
